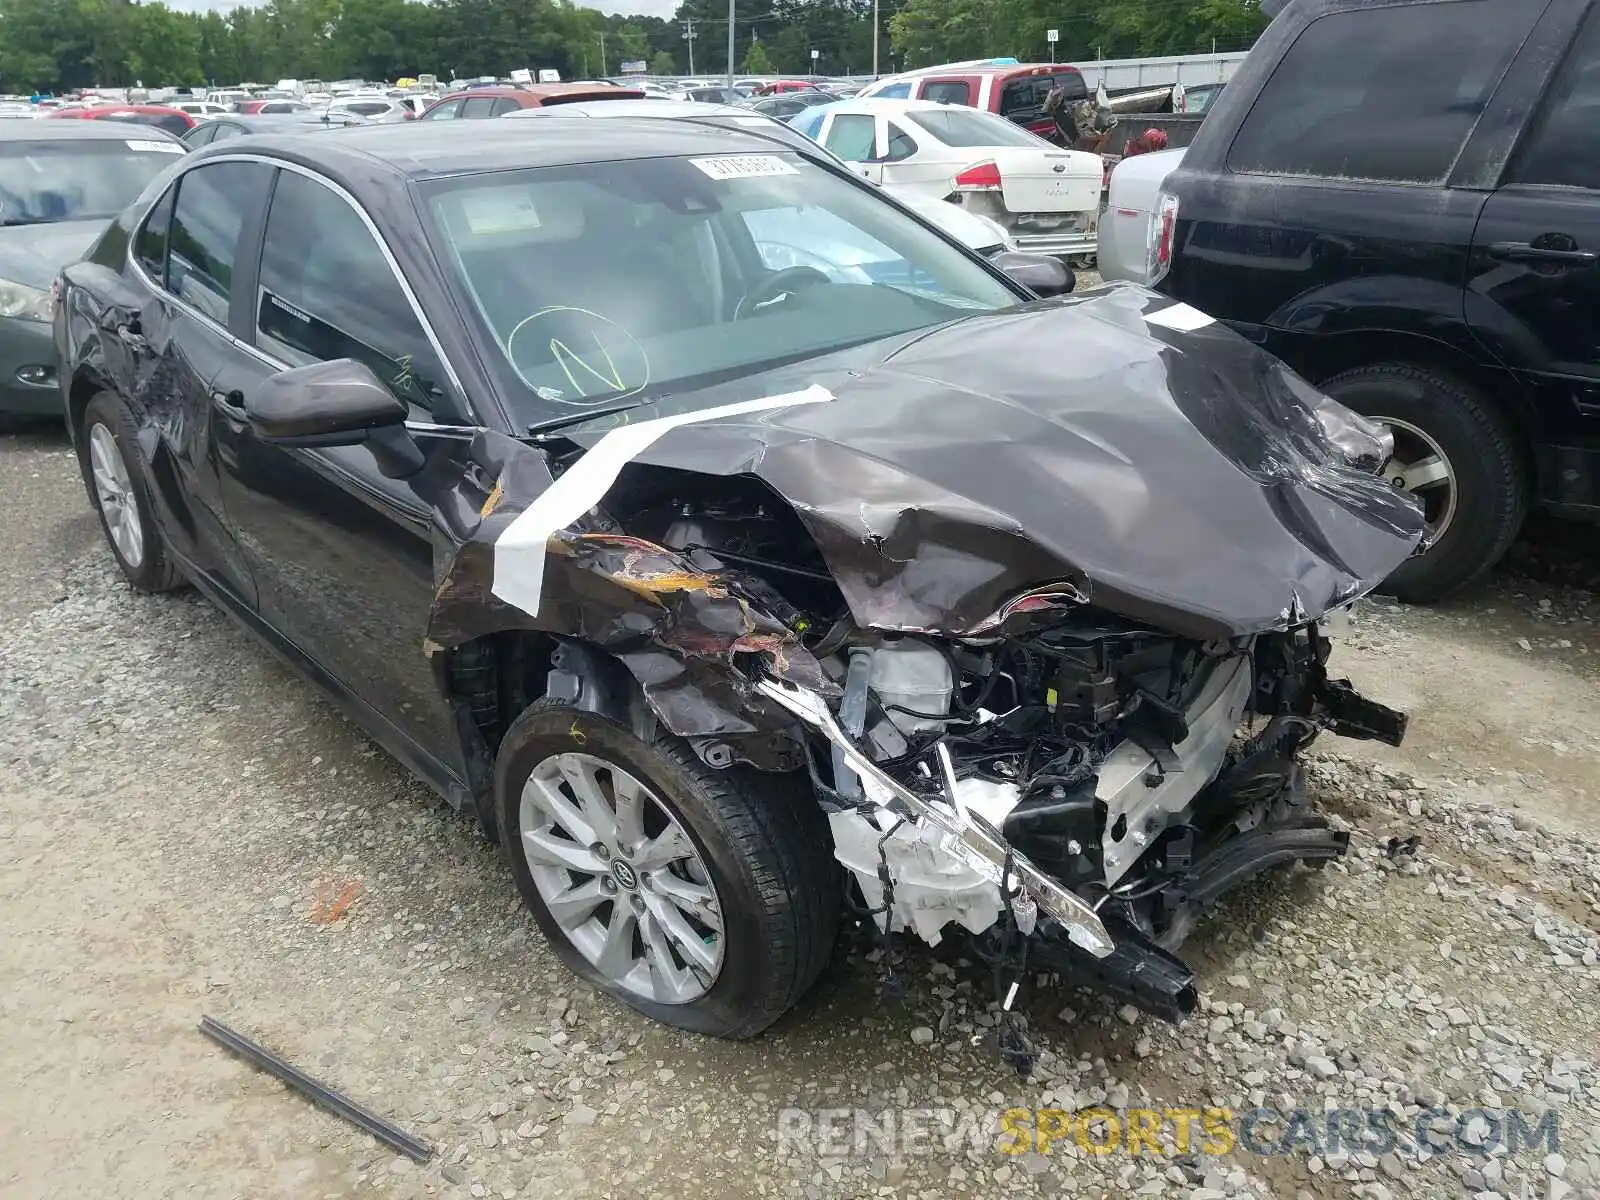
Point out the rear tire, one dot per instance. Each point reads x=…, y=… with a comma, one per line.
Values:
x=118, y=481
x=1480, y=452
x=759, y=840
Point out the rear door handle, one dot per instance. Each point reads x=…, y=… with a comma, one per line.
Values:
x=1528, y=252
x=231, y=402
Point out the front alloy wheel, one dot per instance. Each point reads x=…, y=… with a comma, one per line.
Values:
x=622, y=878
x=707, y=899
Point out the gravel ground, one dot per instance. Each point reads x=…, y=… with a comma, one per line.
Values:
x=188, y=827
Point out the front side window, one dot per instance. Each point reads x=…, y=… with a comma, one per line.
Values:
x=150, y=243
x=894, y=91
x=203, y=244
x=852, y=137
x=78, y=179
x=1388, y=94
x=1558, y=150
x=327, y=291
x=592, y=284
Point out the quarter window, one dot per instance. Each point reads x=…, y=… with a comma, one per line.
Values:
x=327, y=291
x=1388, y=93
x=1556, y=152
x=901, y=144
x=204, y=240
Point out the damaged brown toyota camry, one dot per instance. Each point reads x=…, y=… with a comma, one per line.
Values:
x=738, y=549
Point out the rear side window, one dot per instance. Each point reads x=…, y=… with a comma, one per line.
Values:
x=204, y=241
x=948, y=91
x=1388, y=94
x=901, y=144
x=327, y=291
x=446, y=110
x=1559, y=151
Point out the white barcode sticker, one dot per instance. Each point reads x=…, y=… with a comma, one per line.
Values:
x=154, y=147
x=745, y=166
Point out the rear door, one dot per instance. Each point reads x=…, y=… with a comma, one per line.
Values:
x=186, y=361
x=1534, y=289
x=912, y=161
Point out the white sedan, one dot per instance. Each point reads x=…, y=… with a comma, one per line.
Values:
x=1047, y=198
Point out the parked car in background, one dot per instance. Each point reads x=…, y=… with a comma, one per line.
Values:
x=788, y=105
x=1126, y=233
x=379, y=110
x=977, y=233
x=484, y=102
x=1016, y=91
x=1046, y=198
x=18, y=110
x=159, y=116
x=782, y=87
x=1403, y=203
x=220, y=129
x=715, y=95
x=200, y=109
x=60, y=183
x=272, y=107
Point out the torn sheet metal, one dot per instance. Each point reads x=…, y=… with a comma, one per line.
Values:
x=679, y=630
x=1176, y=476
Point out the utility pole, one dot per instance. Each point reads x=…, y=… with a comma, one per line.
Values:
x=688, y=36
x=731, y=44
x=602, y=52
x=874, y=39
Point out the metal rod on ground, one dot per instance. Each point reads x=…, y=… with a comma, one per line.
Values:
x=381, y=1128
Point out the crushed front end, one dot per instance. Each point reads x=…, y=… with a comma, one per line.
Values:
x=1073, y=780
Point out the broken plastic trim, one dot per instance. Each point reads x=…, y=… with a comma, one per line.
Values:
x=987, y=850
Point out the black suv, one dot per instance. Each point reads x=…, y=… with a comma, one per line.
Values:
x=1402, y=200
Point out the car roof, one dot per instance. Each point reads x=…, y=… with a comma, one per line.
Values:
x=372, y=156
x=533, y=94
x=83, y=131
x=689, y=112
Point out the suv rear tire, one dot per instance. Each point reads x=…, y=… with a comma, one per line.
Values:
x=751, y=854
x=1479, y=451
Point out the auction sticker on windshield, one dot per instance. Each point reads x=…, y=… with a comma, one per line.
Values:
x=744, y=166
x=156, y=147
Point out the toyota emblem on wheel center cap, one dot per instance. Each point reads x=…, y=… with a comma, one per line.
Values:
x=624, y=874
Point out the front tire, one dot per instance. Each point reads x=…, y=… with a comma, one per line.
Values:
x=1458, y=455
x=706, y=899
x=119, y=488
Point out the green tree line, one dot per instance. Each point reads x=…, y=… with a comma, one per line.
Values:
x=57, y=45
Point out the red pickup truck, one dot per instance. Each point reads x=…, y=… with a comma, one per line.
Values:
x=1014, y=90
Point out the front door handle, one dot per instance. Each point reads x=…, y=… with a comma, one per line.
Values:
x=1528, y=252
x=132, y=339
x=232, y=402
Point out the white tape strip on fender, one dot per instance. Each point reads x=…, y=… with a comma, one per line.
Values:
x=519, y=552
x=1180, y=317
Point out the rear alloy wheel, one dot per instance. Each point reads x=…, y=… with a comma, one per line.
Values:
x=114, y=473
x=707, y=899
x=1457, y=454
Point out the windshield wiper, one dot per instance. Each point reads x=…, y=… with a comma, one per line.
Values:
x=541, y=428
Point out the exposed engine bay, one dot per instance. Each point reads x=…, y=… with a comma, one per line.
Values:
x=1065, y=775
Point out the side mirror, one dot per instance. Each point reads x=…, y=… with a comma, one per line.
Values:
x=335, y=403
x=1039, y=273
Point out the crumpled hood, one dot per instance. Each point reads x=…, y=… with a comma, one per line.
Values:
x=34, y=254
x=1171, y=471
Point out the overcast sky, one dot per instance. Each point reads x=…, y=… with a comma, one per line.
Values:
x=648, y=8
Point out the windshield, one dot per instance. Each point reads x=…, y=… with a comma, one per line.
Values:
x=76, y=179
x=968, y=127
x=634, y=279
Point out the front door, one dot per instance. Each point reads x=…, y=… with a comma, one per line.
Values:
x=343, y=555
